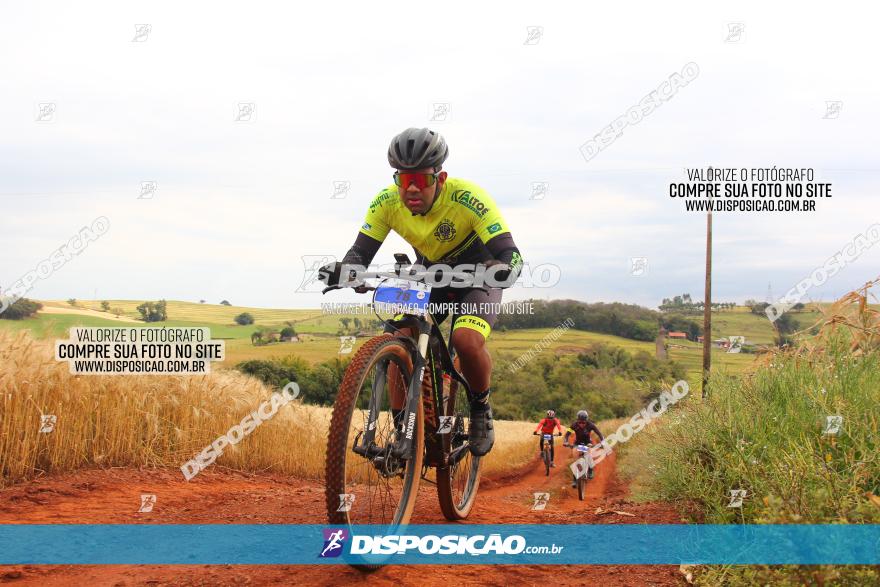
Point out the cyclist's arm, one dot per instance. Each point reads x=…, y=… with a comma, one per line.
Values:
x=493, y=231
x=595, y=429
x=559, y=425
x=362, y=251
x=540, y=425
x=503, y=249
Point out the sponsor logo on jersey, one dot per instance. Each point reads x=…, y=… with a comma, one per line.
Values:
x=445, y=231
x=381, y=198
x=470, y=202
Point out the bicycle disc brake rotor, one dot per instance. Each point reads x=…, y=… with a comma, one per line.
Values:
x=388, y=465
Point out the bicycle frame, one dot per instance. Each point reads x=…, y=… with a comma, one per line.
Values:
x=426, y=328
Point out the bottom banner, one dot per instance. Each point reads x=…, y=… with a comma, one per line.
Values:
x=439, y=544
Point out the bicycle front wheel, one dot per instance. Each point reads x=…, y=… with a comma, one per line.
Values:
x=457, y=483
x=373, y=487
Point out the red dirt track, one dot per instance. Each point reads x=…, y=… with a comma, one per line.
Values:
x=112, y=496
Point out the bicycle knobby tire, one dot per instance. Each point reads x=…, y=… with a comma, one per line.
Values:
x=339, y=443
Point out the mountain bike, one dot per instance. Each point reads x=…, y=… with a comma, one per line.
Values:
x=376, y=459
x=546, y=439
x=583, y=465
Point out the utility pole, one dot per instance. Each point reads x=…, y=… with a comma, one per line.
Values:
x=707, y=309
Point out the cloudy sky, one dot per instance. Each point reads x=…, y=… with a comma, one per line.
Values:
x=239, y=203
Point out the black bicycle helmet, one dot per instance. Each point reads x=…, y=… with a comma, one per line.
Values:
x=416, y=148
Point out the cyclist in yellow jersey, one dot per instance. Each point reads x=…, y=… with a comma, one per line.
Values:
x=450, y=221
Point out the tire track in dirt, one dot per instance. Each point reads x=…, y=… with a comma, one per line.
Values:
x=113, y=496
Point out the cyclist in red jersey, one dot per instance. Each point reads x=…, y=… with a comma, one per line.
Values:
x=547, y=426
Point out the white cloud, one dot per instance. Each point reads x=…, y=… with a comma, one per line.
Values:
x=238, y=204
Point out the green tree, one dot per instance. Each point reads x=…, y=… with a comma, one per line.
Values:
x=72, y=302
x=225, y=303
x=244, y=319
x=153, y=311
x=785, y=326
x=21, y=308
x=105, y=305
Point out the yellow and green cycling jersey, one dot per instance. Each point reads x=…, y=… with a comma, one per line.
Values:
x=461, y=221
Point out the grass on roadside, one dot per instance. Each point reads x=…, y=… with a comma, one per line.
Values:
x=768, y=433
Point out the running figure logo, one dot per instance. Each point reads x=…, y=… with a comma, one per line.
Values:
x=148, y=500
x=312, y=263
x=446, y=423
x=541, y=500
x=346, y=500
x=47, y=423
x=736, y=498
x=638, y=266
x=333, y=542
x=736, y=344
x=832, y=424
x=346, y=344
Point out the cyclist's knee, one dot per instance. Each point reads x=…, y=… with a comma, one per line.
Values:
x=468, y=342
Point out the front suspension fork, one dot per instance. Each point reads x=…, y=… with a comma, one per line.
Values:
x=403, y=447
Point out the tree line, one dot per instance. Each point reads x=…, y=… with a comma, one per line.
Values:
x=604, y=379
x=625, y=320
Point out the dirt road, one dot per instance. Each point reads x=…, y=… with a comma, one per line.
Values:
x=113, y=497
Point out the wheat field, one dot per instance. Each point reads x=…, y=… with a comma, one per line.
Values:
x=162, y=421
